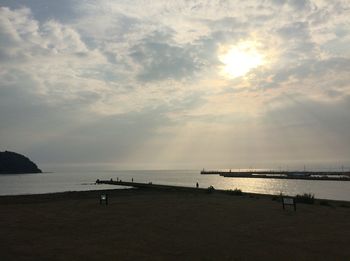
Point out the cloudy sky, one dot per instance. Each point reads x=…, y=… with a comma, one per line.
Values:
x=176, y=84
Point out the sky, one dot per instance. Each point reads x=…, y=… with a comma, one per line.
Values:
x=176, y=84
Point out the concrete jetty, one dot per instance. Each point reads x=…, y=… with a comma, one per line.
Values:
x=274, y=174
x=148, y=185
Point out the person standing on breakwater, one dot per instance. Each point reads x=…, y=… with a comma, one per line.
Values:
x=197, y=185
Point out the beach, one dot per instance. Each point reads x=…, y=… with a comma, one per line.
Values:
x=156, y=224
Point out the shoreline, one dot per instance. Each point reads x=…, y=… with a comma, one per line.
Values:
x=70, y=181
x=199, y=189
x=133, y=186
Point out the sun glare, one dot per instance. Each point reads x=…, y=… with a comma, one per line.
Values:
x=239, y=59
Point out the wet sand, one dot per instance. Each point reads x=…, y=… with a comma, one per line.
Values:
x=151, y=224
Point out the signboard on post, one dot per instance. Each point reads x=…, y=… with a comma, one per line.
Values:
x=289, y=201
x=103, y=199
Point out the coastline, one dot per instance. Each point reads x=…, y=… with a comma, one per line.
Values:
x=122, y=185
x=81, y=181
x=158, y=224
x=150, y=185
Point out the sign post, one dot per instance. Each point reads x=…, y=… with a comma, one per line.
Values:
x=289, y=201
x=104, y=198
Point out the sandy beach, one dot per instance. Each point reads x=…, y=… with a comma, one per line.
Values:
x=151, y=224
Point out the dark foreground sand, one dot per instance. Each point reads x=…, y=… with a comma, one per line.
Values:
x=169, y=225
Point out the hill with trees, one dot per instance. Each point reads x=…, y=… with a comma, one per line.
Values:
x=15, y=163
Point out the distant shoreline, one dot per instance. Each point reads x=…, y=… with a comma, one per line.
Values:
x=161, y=188
x=274, y=174
x=19, y=173
x=24, y=184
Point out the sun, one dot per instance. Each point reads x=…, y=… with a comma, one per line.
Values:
x=239, y=59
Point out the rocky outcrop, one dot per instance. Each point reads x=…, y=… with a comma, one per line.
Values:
x=14, y=163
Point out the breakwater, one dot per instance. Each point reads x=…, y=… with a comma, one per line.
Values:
x=148, y=185
x=274, y=174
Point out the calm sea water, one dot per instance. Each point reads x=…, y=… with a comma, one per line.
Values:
x=85, y=180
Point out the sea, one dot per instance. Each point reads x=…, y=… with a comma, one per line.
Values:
x=61, y=181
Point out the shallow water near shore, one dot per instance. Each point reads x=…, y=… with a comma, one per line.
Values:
x=85, y=180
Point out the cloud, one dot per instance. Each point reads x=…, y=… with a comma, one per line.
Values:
x=106, y=139
x=313, y=128
x=300, y=5
x=322, y=79
x=295, y=30
x=51, y=54
x=85, y=69
x=48, y=10
x=23, y=35
x=159, y=60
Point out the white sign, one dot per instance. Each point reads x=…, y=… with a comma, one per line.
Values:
x=288, y=201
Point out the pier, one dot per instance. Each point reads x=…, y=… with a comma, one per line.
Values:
x=274, y=174
x=149, y=185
